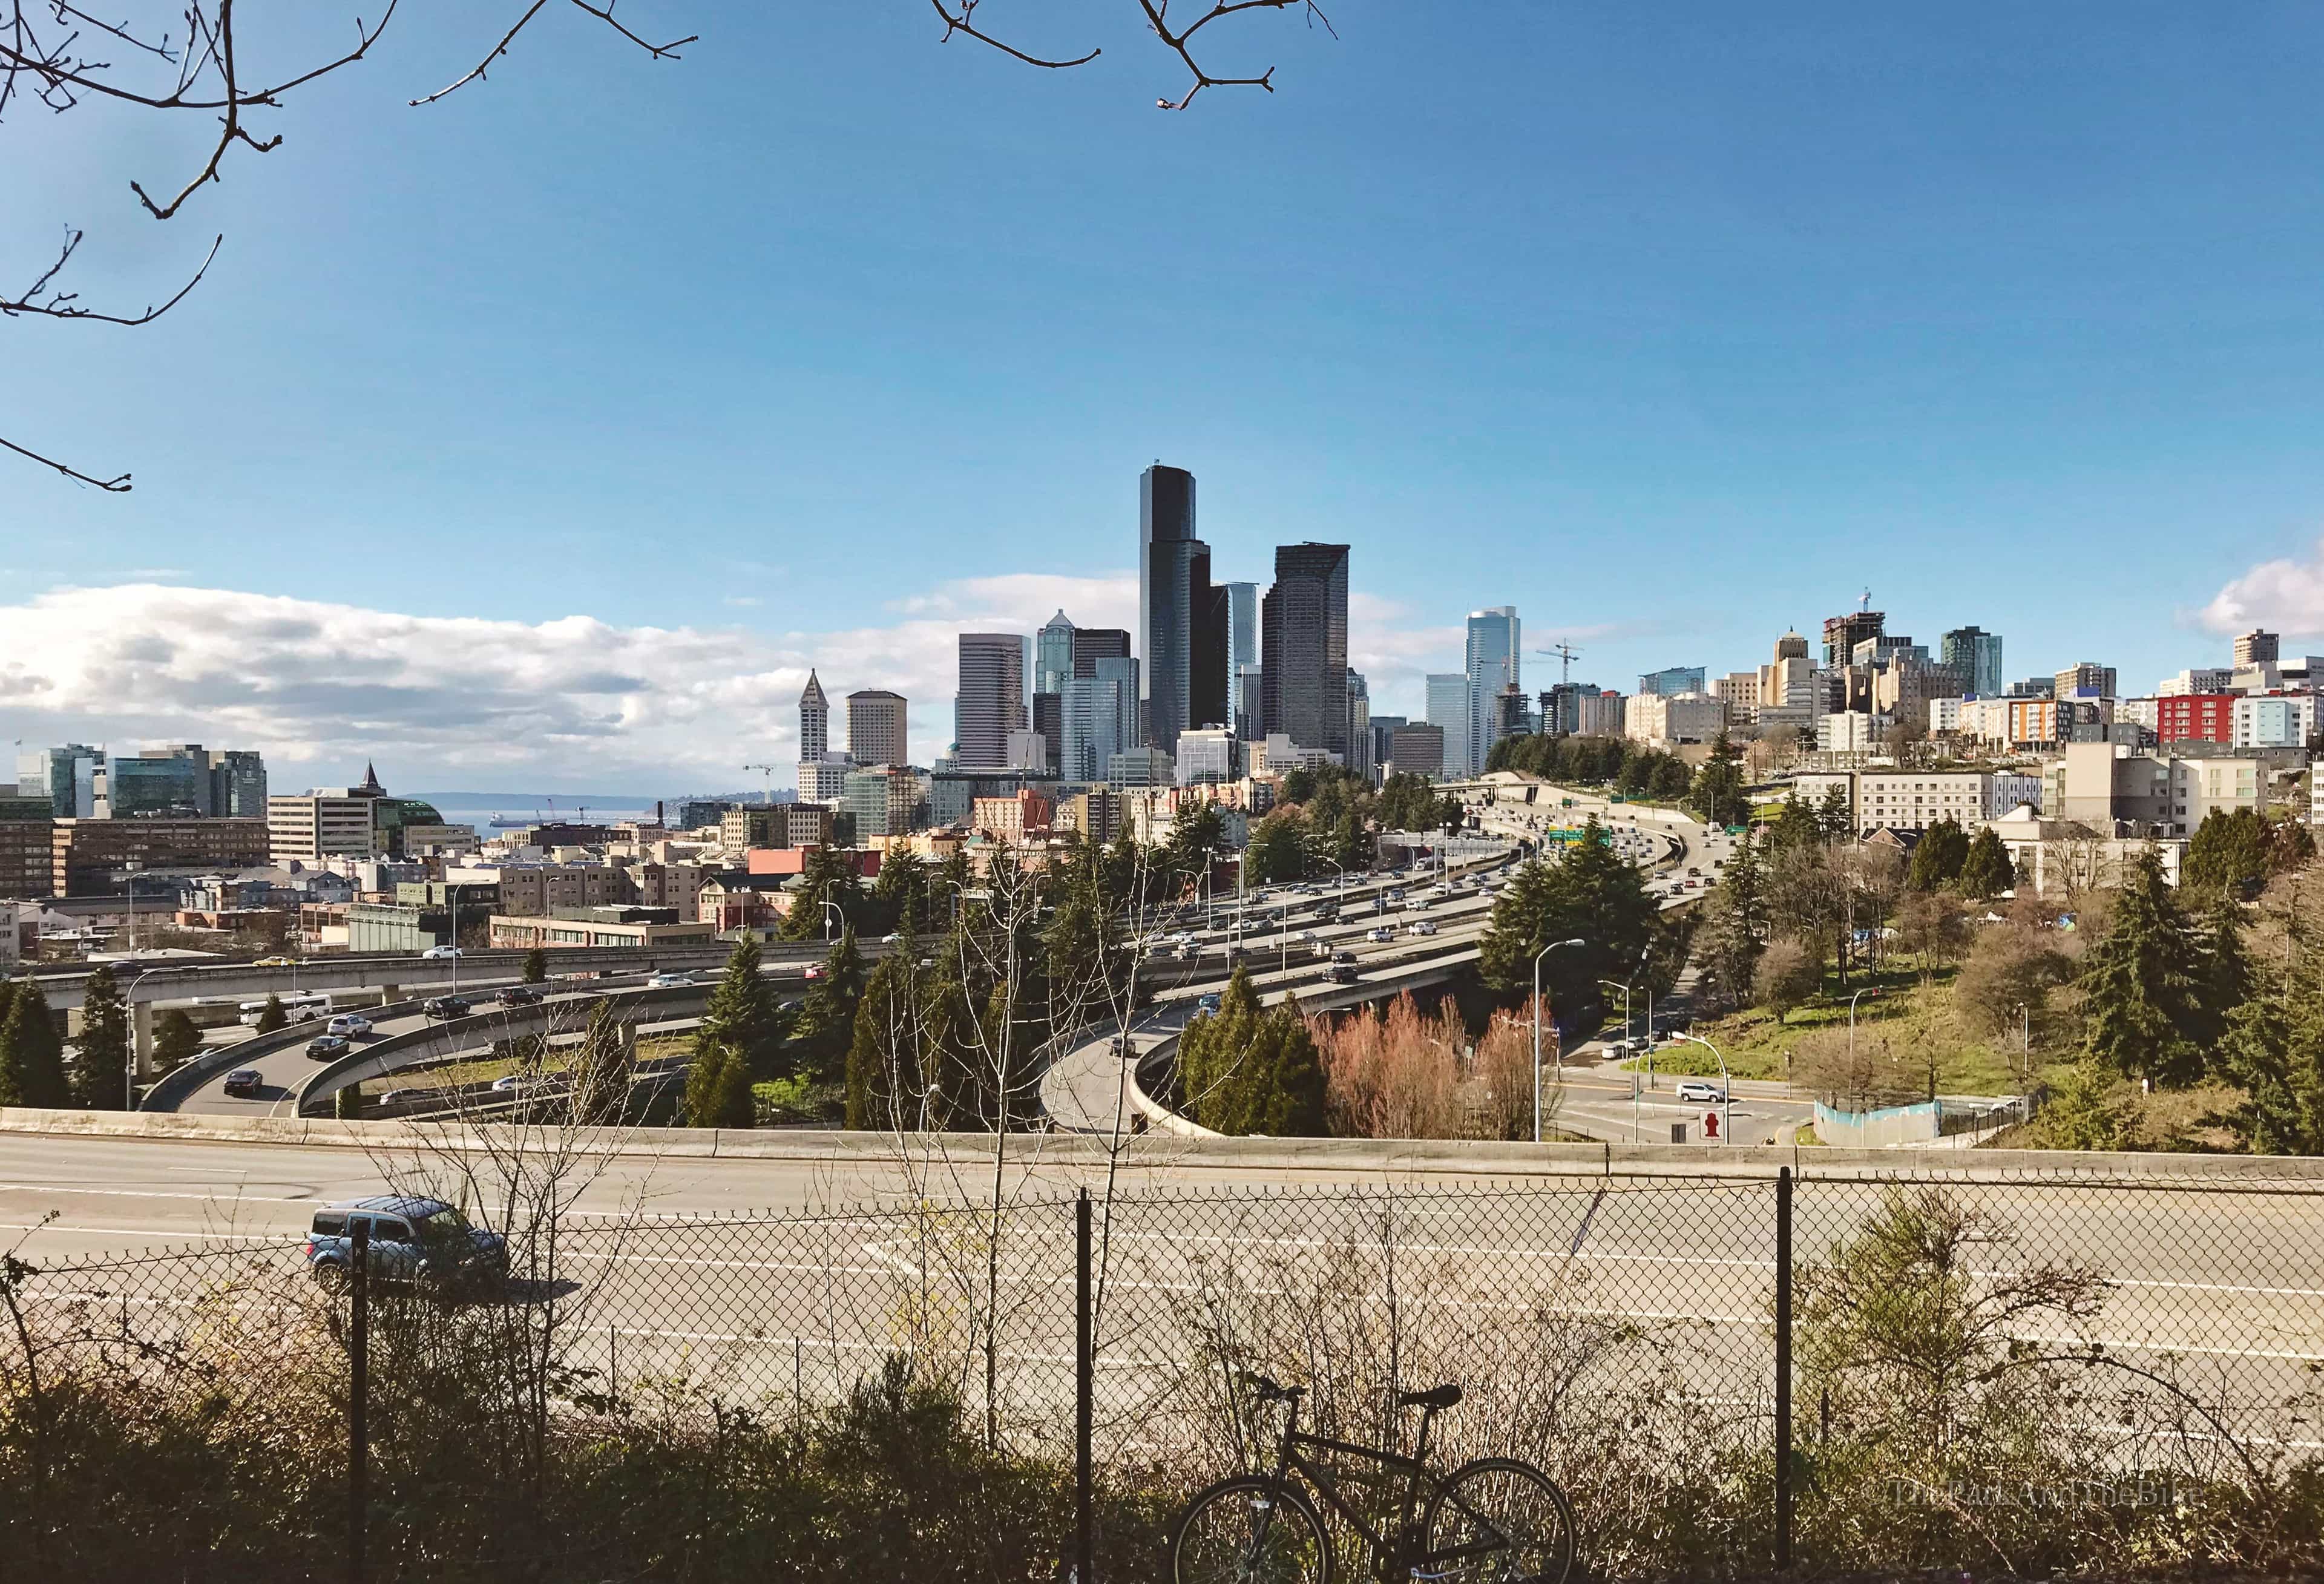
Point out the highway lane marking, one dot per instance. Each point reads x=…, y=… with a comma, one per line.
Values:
x=153, y=1194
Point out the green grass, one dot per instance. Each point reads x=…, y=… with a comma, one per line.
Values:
x=1917, y=1016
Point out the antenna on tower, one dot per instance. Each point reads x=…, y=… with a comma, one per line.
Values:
x=1566, y=654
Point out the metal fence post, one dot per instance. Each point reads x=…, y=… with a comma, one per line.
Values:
x=1784, y=1369
x=1085, y=1394
x=359, y=1390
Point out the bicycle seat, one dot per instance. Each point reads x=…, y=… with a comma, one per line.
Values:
x=1445, y=1396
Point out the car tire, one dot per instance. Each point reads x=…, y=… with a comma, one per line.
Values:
x=331, y=1276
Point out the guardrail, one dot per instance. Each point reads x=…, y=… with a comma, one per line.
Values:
x=178, y=1085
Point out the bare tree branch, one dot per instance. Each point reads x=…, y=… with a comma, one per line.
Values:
x=961, y=23
x=119, y=486
x=604, y=13
x=65, y=305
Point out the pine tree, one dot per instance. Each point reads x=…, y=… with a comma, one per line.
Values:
x=602, y=1069
x=884, y=1081
x=826, y=1024
x=536, y=967
x=271, y=1017
x=1986, y=871
x=104, y=1058
x=1834, y=820
x=32, y=1054
x=1735, y=927
x=2142, y=984
x=718, y=1089
x=1939, y=856
x=1717, y=792
x=176, y=1040
x=8, y=1095
x=740, y=1012
x=2228, y=851
x=1794, y=825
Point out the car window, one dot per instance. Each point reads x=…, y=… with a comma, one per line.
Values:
x=387, y=1229
x=331, y=1223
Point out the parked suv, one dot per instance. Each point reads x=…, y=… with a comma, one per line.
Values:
x=411, y=1241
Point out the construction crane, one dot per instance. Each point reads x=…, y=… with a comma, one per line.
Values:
x=1565, y=654
x=770, y=780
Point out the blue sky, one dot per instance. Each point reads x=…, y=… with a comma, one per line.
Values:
x=1671, y=326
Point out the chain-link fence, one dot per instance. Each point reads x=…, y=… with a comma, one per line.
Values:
x=2029, y=1372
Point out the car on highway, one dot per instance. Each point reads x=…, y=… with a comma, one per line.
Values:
x=443, y=1008
x=1695, y=1091
x=348, y=1024
x=892, y=940
x=1424, y=926
x=675, y=980
x=1344, y=973
x=1344, y=959
x=1124, y=1048
x=276, y=961
x=244, y=1083
x=1381, y=932
x=814, y=971
x=533, y=1083
x=518, y=995
x=440, y=951
x=328, y=1048
x=412, y=1239
x=1208, y=1001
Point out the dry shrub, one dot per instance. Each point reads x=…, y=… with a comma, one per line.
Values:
x=1407, y=1073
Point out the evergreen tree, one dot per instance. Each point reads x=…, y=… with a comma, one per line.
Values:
x=1986, y=871
x=8, y=1094
x=1278, y=850
x=1735, y=927
x=1590, y=892
x=536, y=967
x=900, y=894
x=740, y=1012
x=2226, y=971
x=1794, y=825
x=1835, y=821
x=271, y=1017
x=32, y=1054
x=1197, y=832
x=884, y=1079
x=96, y=1074
x=603, y=1067
x=2142, y=984
x=826, y=1024
x=1246, y=1069
x=1716, y=795
x=718, y=1088
x=1939, y=857
x=176, y=1040
x=829, y=876
x=2229, y=850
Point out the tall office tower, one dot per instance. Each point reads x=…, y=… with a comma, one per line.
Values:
x=1053, y=655
x=1974, y=654
x=1092, y=644
x=237, y=779
x=815, y=721
x=67, y=777
x=877, y=730
x=1360, y=759
x=1182, y=617
x=1447, y=698
x=1673, y=680
x=1251, y=704
x=1049, y=725
x=160, y=782
x=2085, y=676
x=2256, y=648
x=1099, y=718
x=990, y=703
x=1843, y=634
x=1303, y=632
x=1493, y=664
x=1242, y=627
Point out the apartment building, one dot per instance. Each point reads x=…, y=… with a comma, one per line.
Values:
x=1676, y=717
x=1914, y=800
x=2273, y=720
x=316, y=825
x=776, y=825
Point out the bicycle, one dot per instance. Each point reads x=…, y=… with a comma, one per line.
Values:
x=1491, y=1521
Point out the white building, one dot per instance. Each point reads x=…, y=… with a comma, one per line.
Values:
x=2274, y=721
x=2200, y=787
x=1211, y=754
x=2064, y=856
x=320, y=825
x=2140, y=712
x=1854, y=732
x=2195, y=680
x=1677, y=717
x=1914, y=800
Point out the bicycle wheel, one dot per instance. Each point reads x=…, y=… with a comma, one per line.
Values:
x=1497, y=1521
x=1240, y=1532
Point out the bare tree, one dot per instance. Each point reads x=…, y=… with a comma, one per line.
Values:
x=193, y=63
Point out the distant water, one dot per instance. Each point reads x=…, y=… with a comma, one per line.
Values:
x=481, y=808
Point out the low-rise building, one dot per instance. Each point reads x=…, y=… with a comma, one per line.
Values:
x=90, y=857
x=1851, y=732
x=2066, y=858
x=2273, y=720
x=775, y=824
x=1673, y=717
x=1097, y=814
x=1914, y=800
x=736, y=898
x=1416, y=749
x=1010, y=818
x=612, y=929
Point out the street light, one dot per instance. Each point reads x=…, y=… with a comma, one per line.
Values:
x=1537, y=956
x=1726, y=1086
x=129, y=1064
x=1859, y=994
x=830, y=908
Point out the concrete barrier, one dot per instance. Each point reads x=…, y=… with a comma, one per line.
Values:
x=1889, y=1125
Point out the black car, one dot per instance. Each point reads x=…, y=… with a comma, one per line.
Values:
x=328, y=1048
x=1344, y=974
x=445, y=1007
x=518, y=995
x=1344, y=959
x=244, y=1083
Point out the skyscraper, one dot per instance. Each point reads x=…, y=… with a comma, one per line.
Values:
x=1242, y=627
x=1448, y=711
x=1100, y=718
x=67, y=777
x=1973, y=654
x=815, y=720
x=1092, y=644
x=1183, y=618
x=1304, y=623
x=1053, y=655
x=2258, y=647
x=1493, y=665
x=991, y=698
x=1843, y=632
x=877, y=728
x=1672, y=680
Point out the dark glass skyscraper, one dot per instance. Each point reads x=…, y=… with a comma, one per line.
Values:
x=1304, y=639
x=1182, y=617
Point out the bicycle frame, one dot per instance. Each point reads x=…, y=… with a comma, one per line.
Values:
x=1395, y=1554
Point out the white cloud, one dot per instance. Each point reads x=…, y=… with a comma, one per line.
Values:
x=320, y=687
x=2284, y=594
